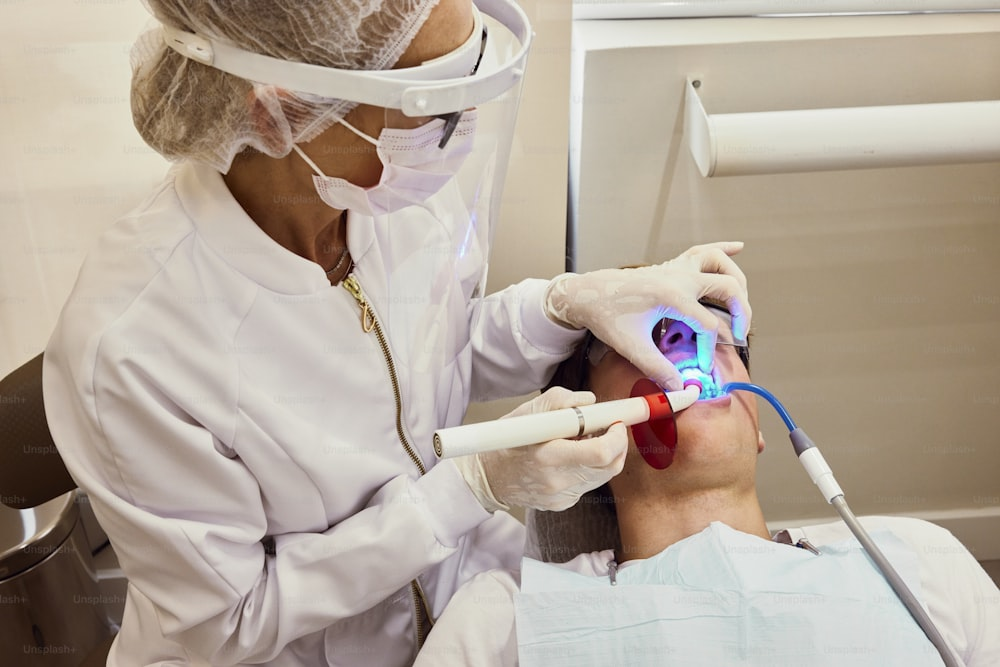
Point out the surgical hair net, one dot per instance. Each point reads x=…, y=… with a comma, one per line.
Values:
x=187, y=110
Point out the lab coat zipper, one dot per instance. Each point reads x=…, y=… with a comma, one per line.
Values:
x=370, y=323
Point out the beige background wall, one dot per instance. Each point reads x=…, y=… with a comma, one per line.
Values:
x=70, y=160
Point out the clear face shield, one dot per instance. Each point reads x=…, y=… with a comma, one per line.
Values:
x=448, y=121
x=446, y=150
x=438, y=199
x=423, y=232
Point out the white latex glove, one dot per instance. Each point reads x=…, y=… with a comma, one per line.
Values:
x=551, y=475
x=621, y=306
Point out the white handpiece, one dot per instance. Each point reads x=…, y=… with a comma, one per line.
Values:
x=566, y=423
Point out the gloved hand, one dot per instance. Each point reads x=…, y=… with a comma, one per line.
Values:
x=621, y=306
x=551, y=475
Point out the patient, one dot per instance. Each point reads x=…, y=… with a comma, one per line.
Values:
x=677, y=566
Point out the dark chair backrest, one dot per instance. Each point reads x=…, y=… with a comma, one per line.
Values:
x=31, y=470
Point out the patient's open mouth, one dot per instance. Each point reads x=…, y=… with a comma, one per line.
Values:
x=711, y=385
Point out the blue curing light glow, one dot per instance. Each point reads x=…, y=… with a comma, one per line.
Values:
x=709, y=388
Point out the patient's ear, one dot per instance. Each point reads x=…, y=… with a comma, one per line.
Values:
x=760, y=441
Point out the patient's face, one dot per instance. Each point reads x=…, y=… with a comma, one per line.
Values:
x=717, y=439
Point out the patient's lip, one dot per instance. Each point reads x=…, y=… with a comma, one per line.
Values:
x=719, y=401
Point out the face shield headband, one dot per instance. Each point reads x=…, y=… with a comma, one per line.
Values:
x=435, y=87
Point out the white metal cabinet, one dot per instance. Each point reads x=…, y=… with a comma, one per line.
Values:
x=876, y=292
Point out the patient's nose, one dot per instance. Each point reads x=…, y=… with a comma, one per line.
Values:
x=675, y=338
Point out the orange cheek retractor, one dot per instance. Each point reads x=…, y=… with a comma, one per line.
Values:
x=655, y=439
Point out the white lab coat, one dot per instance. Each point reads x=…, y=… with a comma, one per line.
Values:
x=478, y=627
x=210, y=389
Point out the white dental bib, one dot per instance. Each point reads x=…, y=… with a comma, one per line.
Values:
x=723, y=597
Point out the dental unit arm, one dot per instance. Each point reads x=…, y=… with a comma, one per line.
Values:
x=822, y=476
x=565, y=423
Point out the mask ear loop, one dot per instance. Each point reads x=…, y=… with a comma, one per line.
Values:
x=308, y=161
x=295, y=147
x=372, y=140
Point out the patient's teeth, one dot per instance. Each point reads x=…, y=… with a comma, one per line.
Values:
x=708, y=383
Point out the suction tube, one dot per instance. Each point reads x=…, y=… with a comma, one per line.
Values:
x=822, y=476
x=564, y=423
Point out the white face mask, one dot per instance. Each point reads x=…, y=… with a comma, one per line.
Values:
x=413, y=167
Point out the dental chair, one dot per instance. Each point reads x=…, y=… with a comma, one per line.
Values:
x=53, y=612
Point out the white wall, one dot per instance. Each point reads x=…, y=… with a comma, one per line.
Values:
x=876, y=292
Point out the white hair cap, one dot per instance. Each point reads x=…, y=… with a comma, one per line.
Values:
x=188, y=110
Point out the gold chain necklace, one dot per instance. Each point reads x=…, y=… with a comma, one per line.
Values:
x=343, y=255
x=340, y=262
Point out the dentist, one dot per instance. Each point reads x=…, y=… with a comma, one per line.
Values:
x=248, y=373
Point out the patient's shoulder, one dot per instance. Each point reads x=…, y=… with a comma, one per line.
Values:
x=917, y=533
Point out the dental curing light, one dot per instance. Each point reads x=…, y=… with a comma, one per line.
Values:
x=822, y=476
x=654, y=405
